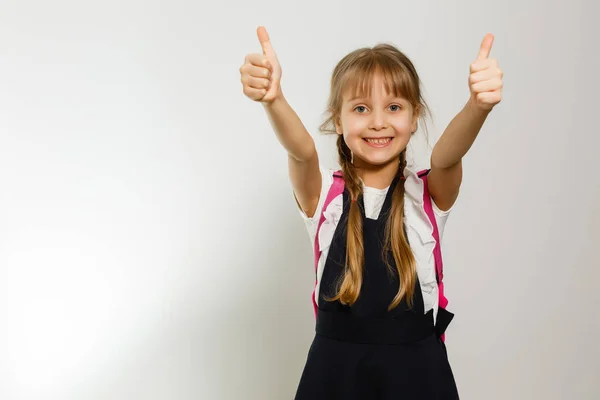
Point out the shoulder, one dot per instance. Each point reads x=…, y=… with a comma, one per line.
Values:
x=416, y=185
x=327, y=180
x=420, y=204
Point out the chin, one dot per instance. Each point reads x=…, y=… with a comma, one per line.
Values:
x=379, y=162
x=379, y=159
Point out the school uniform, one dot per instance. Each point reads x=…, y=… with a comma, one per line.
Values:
x=364, y=351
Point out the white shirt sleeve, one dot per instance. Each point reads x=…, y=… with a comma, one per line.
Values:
x=440, y=217
x=311, y=223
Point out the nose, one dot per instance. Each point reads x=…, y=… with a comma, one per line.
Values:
x=378, y=120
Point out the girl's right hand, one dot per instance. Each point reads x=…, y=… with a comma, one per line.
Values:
x=261, y=73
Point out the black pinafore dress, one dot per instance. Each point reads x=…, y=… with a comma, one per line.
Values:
x=365, y=352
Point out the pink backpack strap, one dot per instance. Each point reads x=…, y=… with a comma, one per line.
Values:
x=336, y=188
x=444, y=316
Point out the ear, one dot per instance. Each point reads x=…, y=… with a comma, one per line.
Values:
x=338, y=126
x=415, y=118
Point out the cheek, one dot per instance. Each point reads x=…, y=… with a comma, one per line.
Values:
x=353, y=132
x=355, y=126
x=403, y=125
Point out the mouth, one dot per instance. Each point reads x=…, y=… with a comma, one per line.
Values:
x=378, y=142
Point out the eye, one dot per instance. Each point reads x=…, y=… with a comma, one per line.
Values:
x=396, y=105
x=356, y=108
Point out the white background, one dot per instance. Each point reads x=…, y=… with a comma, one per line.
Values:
x=150, y=247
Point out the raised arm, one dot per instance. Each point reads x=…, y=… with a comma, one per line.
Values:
x=485, y=84
x=261, y=79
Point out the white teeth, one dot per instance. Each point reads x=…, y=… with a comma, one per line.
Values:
x=379, y=141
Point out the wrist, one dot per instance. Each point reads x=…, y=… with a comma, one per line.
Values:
x=473, y=108
x=275, y=101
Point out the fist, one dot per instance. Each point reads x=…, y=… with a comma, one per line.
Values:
x=485, y=79
x=261, y=73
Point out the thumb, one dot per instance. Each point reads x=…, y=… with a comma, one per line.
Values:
x=486, y=47
x=265, y=43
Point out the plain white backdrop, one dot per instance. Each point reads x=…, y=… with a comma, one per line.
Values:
x=150, y=247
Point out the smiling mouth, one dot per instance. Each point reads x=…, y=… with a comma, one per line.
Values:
x=378, y=142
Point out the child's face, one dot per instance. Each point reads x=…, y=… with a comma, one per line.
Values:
x=376, y=129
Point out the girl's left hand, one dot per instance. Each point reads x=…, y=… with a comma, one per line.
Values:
x=485, y=79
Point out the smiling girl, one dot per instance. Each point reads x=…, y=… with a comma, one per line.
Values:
x=376, y=224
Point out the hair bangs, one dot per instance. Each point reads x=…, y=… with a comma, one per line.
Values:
x=396, y=79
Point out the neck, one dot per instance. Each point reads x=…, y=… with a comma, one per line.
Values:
x=378, y=176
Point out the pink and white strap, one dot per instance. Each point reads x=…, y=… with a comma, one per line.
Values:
x=337, y=188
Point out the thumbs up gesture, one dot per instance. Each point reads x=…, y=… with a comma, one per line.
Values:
x=485, y=79
x=261, y=73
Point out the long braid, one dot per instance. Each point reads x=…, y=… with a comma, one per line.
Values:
x=355, y=253
x=397, y=241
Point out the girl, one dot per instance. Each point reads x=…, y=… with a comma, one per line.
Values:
x=376, y=224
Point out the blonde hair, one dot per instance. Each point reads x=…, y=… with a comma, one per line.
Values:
x=353, y=74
